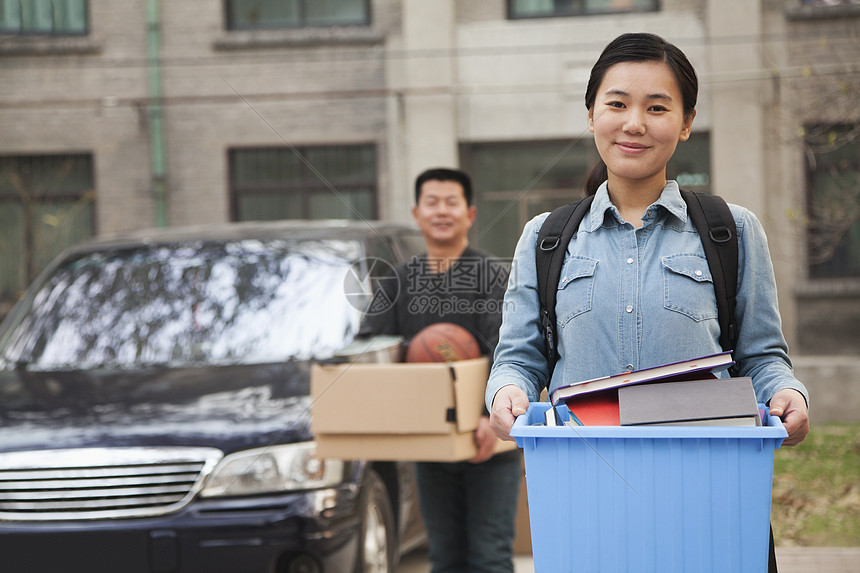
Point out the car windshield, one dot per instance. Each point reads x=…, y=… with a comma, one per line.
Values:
x=241, y=302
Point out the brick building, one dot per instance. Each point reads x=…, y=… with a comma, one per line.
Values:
x=120, y=115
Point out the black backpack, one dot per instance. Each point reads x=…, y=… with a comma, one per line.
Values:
x=713, y=220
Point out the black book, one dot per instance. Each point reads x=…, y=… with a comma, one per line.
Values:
x=714, y=402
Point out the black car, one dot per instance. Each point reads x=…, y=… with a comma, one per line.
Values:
x=154, y=406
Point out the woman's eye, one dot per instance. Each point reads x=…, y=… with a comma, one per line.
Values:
x=617, y=104
x=657, y=108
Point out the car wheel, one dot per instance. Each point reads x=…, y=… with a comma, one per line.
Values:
x=376, y=552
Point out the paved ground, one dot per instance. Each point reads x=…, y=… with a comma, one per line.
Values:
x=789, y=559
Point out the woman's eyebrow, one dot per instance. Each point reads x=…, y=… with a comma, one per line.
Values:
x=616, y=92
x=660, y=96
x=622, y=93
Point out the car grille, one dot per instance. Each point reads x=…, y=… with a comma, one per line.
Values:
x=100, y=483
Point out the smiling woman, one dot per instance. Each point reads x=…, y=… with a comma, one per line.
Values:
x=641, y=97
x=637, y=119
x=635, y=257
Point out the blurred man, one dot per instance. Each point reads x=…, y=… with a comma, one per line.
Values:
x=469, y=507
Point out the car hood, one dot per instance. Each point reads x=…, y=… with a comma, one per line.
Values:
x=227, y=407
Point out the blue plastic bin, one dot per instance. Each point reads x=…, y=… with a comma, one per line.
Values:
x=685, y=499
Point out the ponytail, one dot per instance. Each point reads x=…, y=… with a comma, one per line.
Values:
x=596, y=177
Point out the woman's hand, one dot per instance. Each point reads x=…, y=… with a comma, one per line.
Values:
x=790, y=406
x=508, y=403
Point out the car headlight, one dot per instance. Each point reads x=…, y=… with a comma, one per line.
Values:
x=279, y=468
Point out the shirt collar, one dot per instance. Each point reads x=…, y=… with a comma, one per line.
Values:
x=670, y=199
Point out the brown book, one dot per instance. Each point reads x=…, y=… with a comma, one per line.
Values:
x=695, y=368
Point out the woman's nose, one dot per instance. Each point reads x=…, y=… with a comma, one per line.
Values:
x=634, y=122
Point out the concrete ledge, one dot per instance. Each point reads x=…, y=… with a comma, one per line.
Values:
x=49, y=45
x=821, y=11
x=834, y=386
x=299, y=38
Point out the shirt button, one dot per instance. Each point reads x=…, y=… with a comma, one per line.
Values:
x=698, y=273
x=629, y=308
x=630, y=261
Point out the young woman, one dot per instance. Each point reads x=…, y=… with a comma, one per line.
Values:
x=620, y=304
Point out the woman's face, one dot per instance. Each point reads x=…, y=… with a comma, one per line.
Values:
x=637, y=120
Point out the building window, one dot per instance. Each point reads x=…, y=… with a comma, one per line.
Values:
x=553, y=8
x=337, y=182
x=262, y=14
x=43, y=17
x=690, y=166
x=47, y=203
x=514, y=181
x=833, y=200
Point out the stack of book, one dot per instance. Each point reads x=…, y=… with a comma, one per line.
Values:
x=682, y=393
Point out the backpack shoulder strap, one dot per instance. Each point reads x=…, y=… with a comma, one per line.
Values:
x=717, y=229
x=553, y=237
x=718, y=232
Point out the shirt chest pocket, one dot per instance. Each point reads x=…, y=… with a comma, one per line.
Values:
x=575, y=288
x=688, y=287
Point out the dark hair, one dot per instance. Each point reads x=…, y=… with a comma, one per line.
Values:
x=639, y=48
x=444, y=174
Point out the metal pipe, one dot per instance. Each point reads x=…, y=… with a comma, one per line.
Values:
x=155, y=113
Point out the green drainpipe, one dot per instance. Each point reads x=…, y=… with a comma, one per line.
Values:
x=156, y=119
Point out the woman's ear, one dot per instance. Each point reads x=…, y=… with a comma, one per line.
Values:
x=687, y=128
x=591, y=119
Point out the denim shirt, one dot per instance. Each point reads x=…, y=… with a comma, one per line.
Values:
x=632, y=298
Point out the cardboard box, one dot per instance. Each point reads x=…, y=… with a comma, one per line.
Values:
x=406, y=412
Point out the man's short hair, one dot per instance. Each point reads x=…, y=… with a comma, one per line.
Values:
x=444, y=174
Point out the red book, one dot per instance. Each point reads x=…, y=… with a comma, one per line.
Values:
x=596, y=408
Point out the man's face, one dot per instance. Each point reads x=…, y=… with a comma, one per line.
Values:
x=442, y=213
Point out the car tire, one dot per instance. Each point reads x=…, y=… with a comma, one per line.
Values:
x=377, y=542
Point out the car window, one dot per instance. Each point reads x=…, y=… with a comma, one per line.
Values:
x=381, y=248
x=239, y=302
x=412, y=244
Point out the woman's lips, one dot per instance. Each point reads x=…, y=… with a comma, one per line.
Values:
x=630, y=147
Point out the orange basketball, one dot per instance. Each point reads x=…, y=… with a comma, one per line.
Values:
x=442, y=342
